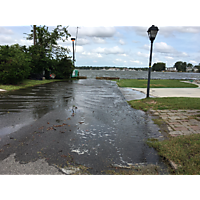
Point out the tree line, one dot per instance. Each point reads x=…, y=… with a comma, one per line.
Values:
x=44, y=57
x=179, y=65
x=106, y=68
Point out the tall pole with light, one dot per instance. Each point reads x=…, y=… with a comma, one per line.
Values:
x=152, y=32
x=73, y=39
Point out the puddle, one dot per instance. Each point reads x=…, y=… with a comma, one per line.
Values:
x=103, y=130
x=11, y=129
x=131, y=94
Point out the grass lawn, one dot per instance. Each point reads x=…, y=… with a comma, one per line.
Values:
x=26, y=83
x=183, y=151
x=154, y=83
x=166, y=103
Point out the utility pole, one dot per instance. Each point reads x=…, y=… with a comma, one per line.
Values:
x=34, y=34
x=76, y=37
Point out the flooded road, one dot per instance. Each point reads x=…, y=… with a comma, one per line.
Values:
x=84, y=122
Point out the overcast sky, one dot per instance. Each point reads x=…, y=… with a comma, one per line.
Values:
x=125, y=46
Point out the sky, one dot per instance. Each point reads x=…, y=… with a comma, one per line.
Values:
x=121, y=46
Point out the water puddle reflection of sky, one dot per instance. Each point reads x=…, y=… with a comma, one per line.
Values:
x=101, y=128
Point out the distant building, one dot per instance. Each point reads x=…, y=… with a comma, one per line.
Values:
x=171, y=69
x=189, y=69
x=195, y=69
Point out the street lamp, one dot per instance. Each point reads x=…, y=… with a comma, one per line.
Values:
x=152, y=32
x=73, y=39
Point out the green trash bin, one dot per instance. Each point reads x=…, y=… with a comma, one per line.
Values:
x=75, y=73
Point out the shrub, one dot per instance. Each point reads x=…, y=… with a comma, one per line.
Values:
x=63, y=68
x=14, y=64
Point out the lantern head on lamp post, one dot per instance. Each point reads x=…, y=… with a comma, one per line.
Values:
x=73, y=39
x=152, y=32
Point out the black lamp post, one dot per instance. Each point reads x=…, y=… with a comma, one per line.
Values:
x=73, y=39
x=152, y=32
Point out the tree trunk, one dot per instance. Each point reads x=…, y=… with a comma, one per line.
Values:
x=34, y=34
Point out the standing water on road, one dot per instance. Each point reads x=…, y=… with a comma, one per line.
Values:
x=88, y=121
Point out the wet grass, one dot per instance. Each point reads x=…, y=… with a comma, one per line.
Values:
x=184, y=151
x=167, y=103
x=154, y=83
x=26, y=83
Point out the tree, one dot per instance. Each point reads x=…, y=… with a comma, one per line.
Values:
x=46, y=47
x=14, y=64
x=34, y=34
x=49, y=40
x=180, y=66
x=189, y=65
x=63, y=68
x=158, y=66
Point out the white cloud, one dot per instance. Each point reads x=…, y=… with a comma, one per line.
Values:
x=93, y=31
x=7, y=40
x=113, y=50
x=121, y=42
x=100, y=50
x=184, y=54
x=25, y=42
x=79, y=49
x=136, y=61
x=82, y=41
x=140, y=30
x=162, y=47
x=98, y=40
x=169, y=31
x=124, y=55
x=4, y=30
x=193, y=62
x=92, y=54
x=142, y=54
x=166, y=49
x=169, y=57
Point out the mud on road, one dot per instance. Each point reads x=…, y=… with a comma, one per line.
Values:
x=83, y=123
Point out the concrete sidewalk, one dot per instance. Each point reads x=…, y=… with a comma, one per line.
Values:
x=171, y=92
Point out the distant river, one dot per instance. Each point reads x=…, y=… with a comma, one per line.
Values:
x=139, y=74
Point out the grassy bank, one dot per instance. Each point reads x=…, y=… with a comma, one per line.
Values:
x=167, y=103
x=154, y=83
x=183, y=151
x=26, y=83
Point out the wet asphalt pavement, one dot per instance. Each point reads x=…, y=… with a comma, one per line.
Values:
x=84, y=122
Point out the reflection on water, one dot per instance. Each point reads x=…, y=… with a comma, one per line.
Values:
x=21, y=107
x=104, y=130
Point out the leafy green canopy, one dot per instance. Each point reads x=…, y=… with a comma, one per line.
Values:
x=19, y=62
x=14, y=64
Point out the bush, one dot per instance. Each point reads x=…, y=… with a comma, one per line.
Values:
x=63, y=68
x=14, y=64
